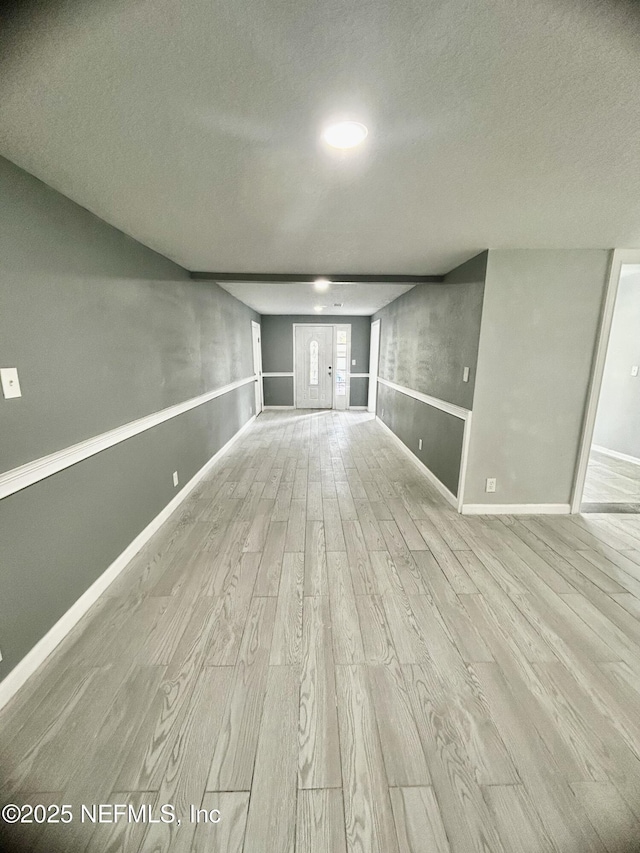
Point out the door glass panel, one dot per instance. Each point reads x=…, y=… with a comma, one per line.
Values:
x=342, y=336
x=313, y=363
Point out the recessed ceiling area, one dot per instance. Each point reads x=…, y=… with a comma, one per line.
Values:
x=196, y=127
x=301, y=297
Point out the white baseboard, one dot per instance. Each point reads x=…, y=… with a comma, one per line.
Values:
x=357, y=408
x=267, y=408
x=515, y=509
x=43, y=648
x=444, y=491
x=615, y=454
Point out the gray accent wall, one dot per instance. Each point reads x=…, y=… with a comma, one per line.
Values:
x=429, y=334
x=618, y=420
x=359, y=391
x=59, y=535
x=541, y=314
x=277, y=352
x=278, y=390
x=103, y=331
x=441, y=433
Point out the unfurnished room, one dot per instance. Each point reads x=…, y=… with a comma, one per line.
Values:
x=319, y=426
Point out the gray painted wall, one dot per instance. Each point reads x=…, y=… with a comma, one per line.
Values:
x=59, y=535
x=429, y=334
x=102, y=331
x=359, y=391
x=278, y=390
x=539, y=322
x=618, y=419
x=441, y=433
x=277, y=353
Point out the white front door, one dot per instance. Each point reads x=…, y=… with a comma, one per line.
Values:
x=314, y=380
x=257, y=364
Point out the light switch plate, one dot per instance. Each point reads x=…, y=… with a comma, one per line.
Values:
x=634, y=370
x=10, y=382
x=353, y=362
x=465, y=374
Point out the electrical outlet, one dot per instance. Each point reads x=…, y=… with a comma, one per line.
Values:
x=634, y=370
x=250, y=410
x=175, y=478
x=491, y=484
x=465, y=374
x=10, y=382
x=382, y=415
x=419, y=444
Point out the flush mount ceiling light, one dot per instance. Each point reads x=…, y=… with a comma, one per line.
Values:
x=321, y=284
x=318, y=307
x=345, y=134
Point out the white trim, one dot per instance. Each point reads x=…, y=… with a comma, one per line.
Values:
x=515, y=509
x=440, y=486
x=616, y=454
x=256, y=346
x=618, y=258
x=357, y=408
x=359, y=375
x=32, y=472
x=457, y=411
x=276, y=375
x=43, y=648
x=375, y=341
x=464, y=459
x=266, y=408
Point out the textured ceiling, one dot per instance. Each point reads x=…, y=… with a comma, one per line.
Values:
x=194, y=126
x=356, y=298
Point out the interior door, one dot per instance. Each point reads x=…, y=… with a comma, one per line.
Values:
x=257, y=364
x=314, y=380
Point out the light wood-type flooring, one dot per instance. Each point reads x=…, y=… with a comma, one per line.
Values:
x=611, y=481
x=320, y=648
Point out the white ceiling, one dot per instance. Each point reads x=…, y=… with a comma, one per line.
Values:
x=357, y=298
x=194, y=126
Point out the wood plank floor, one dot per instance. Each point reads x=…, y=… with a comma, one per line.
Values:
x=611, y=481
x=320, y=650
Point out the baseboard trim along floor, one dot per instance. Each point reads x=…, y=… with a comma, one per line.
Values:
x=428, y=473
x=516, y=509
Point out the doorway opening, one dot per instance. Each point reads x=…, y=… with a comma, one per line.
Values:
x=611, y=449
x=374, y=360
x=321, y=354
x=257, y=365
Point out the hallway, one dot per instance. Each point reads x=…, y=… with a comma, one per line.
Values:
x=319, y=647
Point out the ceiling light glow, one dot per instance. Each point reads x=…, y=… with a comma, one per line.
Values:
x=345, y=134
x=318, y=307
x=321, y=284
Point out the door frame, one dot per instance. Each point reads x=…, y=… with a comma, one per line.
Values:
x=334, y=372
x=374, y=363
x=256, y=351
x=619, y=257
